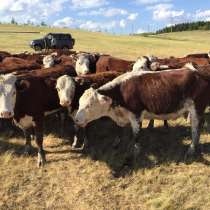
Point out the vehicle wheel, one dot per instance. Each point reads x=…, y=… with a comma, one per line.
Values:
x=37, y=48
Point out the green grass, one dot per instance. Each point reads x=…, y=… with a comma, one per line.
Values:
x=130, y=47
x=162, y=180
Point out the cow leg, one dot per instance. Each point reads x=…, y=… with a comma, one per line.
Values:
x=151, y=124
x=28, y=146
x=196, y=122
x=62, y=121
x=166, y=124
x=39, y=141
x=80, y=138
x=135, y=145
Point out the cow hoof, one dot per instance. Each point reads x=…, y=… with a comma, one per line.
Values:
x=28, y=150
x=116, y=142
x=190, y=152
x=41, y=160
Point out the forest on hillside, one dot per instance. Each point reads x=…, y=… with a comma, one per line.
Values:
x=200, y=25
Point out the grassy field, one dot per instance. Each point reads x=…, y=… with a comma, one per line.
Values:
x=161, y=179
x=130, y=47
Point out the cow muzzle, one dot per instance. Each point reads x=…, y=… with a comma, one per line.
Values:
x=80, y=119
x=6, y=114
x=65, y=103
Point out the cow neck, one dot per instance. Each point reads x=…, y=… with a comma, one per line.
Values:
x=115, y=94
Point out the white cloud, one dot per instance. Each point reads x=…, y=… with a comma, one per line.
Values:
x=97, y=26
x=106, y=12
x=123, y=23
x=88, y=4
x=165, y=12
x=65, y=22
x=30, y=10
x=149, y=2
x=140, y=31
x=133, y=16
x=203, y=15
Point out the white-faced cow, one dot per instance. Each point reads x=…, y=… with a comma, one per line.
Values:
x=86, y=63
x=71, y=89
x=160, y=95
x=27, y=99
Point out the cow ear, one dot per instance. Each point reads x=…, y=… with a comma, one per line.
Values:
x=22, y=85
x=105, y=100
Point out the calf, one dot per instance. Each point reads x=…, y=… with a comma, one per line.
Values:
x=71, y=89
x=136, y=95
x=109, y=63
x=27, y=101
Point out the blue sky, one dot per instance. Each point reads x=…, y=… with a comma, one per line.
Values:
x=118, y=16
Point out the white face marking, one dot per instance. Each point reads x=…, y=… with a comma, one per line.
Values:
x=26, y=122
x=66, y=89
x=7, y=95
x=92, y=106
x=140, y=65
x=48, y=61
x=83, y=65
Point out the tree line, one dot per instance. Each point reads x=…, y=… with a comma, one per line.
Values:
x=199, y=25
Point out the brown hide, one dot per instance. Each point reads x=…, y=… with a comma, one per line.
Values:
x=175, y=63
x=109, y=63
x=91, y=80
x=55, y=71
x=11, y=64
x=162, y=92
x=3, y=55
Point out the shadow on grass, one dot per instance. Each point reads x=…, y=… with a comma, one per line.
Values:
x=158, y=146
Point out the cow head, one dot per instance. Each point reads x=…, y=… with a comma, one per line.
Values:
x=142, y=64
x=65, y=86
x=7, y=95
x=49, y=60
x=83, y=64
x=92, y=106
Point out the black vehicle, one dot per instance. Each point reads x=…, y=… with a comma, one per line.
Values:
x=53, y=41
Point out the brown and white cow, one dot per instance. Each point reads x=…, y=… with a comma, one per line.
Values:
x=138, y=95
x=71, y=89
x=27, y=100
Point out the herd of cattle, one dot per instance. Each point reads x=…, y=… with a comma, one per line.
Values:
x=92, y=85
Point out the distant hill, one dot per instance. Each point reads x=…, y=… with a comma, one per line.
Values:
x=200, y=25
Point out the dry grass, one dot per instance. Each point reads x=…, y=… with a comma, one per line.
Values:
x=161, y=179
